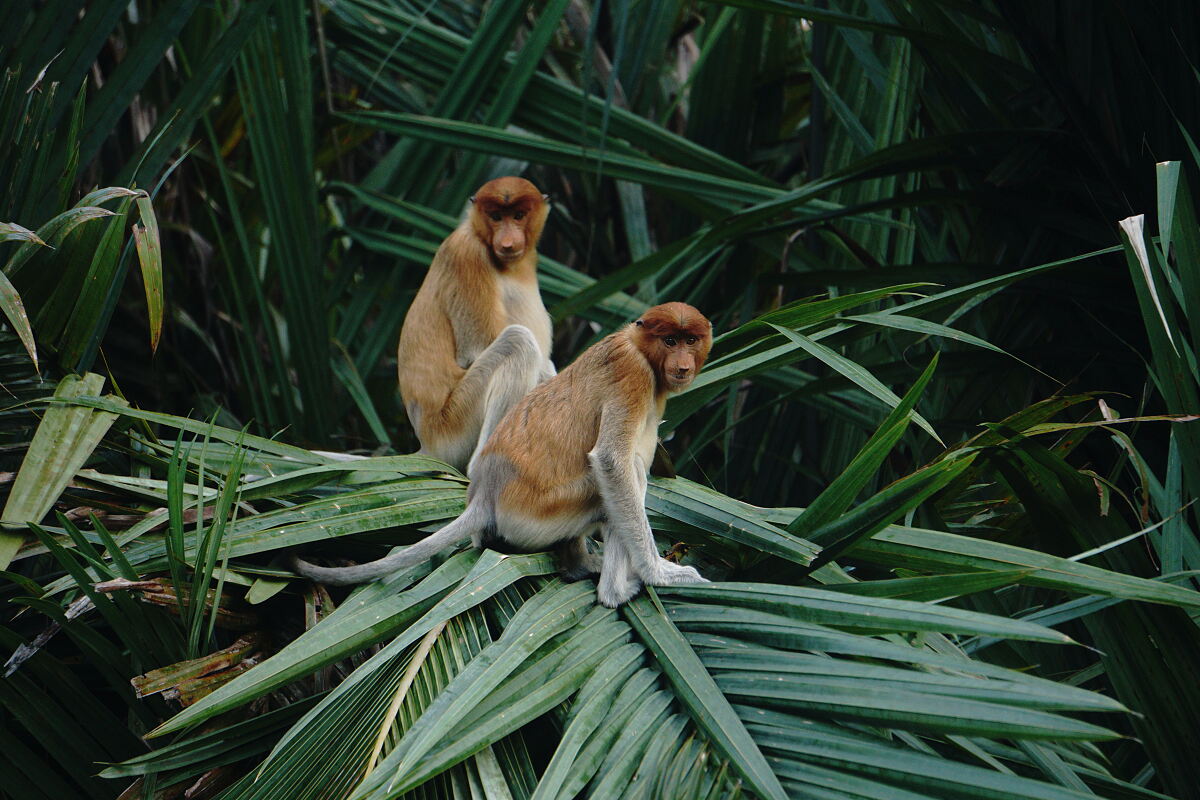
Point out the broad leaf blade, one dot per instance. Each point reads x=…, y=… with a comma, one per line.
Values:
x=700, y=696
x=64, y=440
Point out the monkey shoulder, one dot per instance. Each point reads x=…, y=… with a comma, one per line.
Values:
x=460, y=261
x=455, y=251
x=629, y=369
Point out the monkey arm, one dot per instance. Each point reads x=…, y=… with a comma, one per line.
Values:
x=615, y=469
x=504, y=373
x=620, y=473
x=469, y=344
x=474, y=330
x=468, y=296
x=619, y=470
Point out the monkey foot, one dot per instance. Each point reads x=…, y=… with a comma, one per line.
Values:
x=612, y=595
x=671, y=574
x=575, y=563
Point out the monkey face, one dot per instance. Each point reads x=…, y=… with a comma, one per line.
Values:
x=679, y=367
x=684, y=354
x=508, y=216
x=508, y=234
x=675, y=338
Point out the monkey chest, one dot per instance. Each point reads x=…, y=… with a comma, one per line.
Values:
x=523, y=306
x=647, y=439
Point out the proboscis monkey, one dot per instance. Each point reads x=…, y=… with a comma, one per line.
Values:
x=477, y=336
x=571, y=458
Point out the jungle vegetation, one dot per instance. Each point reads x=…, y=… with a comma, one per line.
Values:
x=941, y=466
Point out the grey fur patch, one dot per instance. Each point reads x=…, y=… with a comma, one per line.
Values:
x=491, y=474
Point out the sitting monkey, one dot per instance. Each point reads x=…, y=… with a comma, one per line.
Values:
x=572, y=458
x=477, y=336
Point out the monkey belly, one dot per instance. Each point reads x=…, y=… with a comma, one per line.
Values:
x=530, y=534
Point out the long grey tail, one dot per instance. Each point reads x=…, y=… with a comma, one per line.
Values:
x=457, y=532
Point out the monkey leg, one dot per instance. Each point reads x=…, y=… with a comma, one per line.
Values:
x=500, y=376
x=618, y=582
x=508, y=369
x=575, y=562
x=623, y=486
x=643, y=560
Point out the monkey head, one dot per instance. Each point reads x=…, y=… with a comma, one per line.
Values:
x=507, y=215
x=675, y=339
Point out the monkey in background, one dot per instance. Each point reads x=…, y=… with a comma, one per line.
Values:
x=477, y=336
x=571, y=458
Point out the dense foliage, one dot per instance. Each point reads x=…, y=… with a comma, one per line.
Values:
x=941, y=465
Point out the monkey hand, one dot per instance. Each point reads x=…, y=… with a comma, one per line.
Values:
x=671, y=573
x=617, y=586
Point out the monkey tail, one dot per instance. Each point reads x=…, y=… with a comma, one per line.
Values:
x=457, y=532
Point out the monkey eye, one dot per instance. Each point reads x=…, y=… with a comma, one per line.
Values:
x=495, y=215
x=691, y=340
x=669, y=341
x=519, y=215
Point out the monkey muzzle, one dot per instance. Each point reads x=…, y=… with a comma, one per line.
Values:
x=678, y=381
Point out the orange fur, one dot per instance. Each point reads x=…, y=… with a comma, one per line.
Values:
x=570, y=458
x=482, y=279
x=679, y=362
x=509, y=213
x=548, y=435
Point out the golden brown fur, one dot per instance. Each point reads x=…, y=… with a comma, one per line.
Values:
x=548, y=448
x=571, y=459
x=483, y=279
